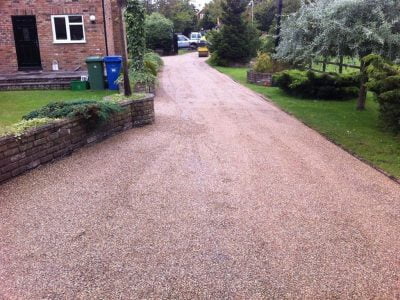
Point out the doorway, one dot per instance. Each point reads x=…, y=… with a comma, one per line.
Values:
x=26, y=43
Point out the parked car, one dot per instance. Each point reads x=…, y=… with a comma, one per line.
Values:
x=183, y=41
x=195, y=39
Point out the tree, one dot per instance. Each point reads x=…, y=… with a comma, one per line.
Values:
x=159, y=32
x=337, y=28
x=127, y=86
x=182, y=13
x=265, y=12
x=135, y=32
x=237, y=41
x=207, y=22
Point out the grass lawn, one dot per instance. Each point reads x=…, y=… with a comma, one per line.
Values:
x=15, y=104
x=358, y=132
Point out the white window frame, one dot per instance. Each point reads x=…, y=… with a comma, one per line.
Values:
x=67, y=23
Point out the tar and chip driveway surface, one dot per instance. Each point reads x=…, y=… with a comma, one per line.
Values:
x=225, y=196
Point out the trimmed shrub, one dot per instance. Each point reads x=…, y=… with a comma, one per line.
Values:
x=263, y=63
x=159, y=32
x=324, y=86
x=94, y=112
x=384, y=82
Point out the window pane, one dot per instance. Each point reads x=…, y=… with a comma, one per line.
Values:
x=76, y=32
x=61, y=29
x=75, y=19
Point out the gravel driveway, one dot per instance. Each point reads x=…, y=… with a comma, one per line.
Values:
x=225, y=196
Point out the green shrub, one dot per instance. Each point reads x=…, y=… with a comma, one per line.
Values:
x=263, y=63
x=144, y=77
x=135, y=32
x=94, y=112
x=384, y=81
x=154, y=58
x=19, y=128
x=216, y=60
x=159, y=32
x=267, y=44
x=314, y=85
x=150, y=67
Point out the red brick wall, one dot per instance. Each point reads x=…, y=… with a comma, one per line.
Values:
x=69, y=56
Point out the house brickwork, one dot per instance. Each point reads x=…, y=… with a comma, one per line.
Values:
x=70, y=56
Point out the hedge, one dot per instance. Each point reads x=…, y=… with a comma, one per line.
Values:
x=324, y=86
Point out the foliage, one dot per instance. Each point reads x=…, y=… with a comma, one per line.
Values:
x=19, y=128
x=135, y=32
x=207, y=22
x=267, y=44
x=94, y=112
x=357, y=132
x=147, y=76
x=154, y=58
x=263, y=63
x=214, y=9
x=265, y=12
x=237, y=41
x=216, y=60
x=15, y=104
x=182, y=13
x=352, y=28
x=384, y=81
x=308, y=84
x=159, y=32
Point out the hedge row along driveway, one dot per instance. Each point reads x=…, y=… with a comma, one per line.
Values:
x=224, y=196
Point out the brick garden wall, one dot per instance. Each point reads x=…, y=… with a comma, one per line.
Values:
x=53, y=141
x=259, y=78
x=69, y=56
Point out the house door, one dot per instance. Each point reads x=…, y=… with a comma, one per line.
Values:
x=26, y=42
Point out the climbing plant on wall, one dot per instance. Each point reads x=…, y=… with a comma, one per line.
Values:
x=135, y=32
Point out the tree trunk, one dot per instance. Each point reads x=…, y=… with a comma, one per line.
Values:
x=127, y=85
x=341, y=64
x=362, y=96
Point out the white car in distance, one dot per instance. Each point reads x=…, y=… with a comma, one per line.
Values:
x=183, y=41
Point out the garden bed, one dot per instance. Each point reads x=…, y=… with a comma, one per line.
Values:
x=60, y=138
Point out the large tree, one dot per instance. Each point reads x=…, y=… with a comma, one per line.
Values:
x=265, y=12
x=236, y=41
x=336, y=28
x=181, y=12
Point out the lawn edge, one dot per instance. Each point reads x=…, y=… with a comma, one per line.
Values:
x=352, y=153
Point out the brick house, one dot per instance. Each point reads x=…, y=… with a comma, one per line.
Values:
x=37, y=34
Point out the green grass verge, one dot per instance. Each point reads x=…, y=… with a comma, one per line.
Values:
x=15, y=104
x=358, y=132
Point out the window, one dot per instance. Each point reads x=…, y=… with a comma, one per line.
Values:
x=68, y=29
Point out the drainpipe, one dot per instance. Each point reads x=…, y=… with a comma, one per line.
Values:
x=105, y=27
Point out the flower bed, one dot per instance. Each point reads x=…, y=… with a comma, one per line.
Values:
x=60, y=138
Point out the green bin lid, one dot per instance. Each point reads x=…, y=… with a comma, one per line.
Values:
x=94, y=59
